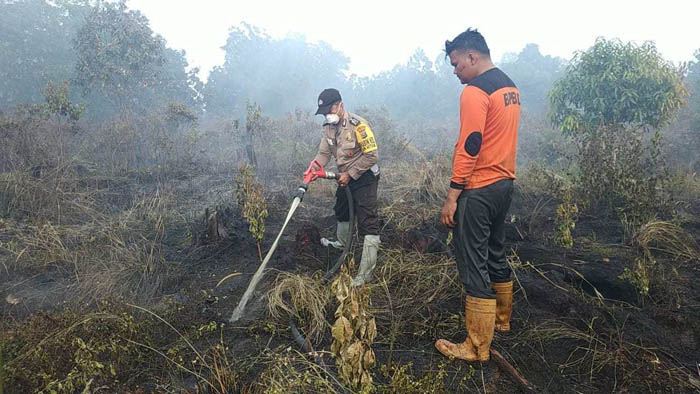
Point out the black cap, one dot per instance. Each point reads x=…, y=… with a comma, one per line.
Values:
x=326, y=100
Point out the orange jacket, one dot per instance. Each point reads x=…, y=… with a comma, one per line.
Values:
x=488, y=133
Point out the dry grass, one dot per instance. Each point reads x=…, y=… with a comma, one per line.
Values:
x=415, y=281
x=407, y=285
x=118, y=255
x=684, y=185
x=402, y=380
x=115, y=348
x=597, y=348
x=592, y=353
x=658, y=278
x=130, y=261
x=215, y=370
x=539, y=190
x=668, y=238
x=68, y=352
x=55, y=195
x=416, y=192
x=301, y=297
x=406, y=290
x=419, y=182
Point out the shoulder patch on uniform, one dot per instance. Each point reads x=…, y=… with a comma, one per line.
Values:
x=365, y=137
x=473, y=143
x=354, y=121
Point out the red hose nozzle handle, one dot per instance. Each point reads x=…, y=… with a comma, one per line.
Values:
x=311, y=173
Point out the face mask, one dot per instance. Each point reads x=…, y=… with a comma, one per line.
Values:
x=332, y=118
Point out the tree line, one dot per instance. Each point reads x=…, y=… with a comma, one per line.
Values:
x=115, y=62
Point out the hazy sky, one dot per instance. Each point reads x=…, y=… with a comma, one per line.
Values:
x=377, y=34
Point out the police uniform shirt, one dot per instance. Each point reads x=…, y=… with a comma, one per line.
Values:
x=351, y=142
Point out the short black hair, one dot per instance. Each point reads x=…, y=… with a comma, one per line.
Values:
x=469, y=39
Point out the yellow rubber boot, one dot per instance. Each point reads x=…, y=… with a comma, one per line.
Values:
x=504, y=305
x=480, y=322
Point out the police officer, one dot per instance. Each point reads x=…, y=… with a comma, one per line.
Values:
x=349, y=139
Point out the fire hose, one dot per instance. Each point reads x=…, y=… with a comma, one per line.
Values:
x=314, y=172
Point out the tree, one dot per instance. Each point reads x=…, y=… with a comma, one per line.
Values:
x=693, y=81
x=35, y=46
x=176, y=83
x=616, y=85
x=277, y=74
x=122, y=65
x=118, y=54
x=610, y=98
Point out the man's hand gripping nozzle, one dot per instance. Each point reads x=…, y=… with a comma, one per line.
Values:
x=314, y=171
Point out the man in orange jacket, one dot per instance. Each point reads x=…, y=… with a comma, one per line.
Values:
x=481, y=187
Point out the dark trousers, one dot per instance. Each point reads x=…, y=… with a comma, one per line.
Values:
x=364, y=195
x=479, y=235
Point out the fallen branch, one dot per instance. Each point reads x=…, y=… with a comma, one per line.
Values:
x=506, y=367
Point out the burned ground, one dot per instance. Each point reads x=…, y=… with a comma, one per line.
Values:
x=146, y=312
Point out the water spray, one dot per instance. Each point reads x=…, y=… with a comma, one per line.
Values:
x=312, y=173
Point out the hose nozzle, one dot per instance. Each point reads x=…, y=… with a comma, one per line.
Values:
x=301, y=190
x=316, y=170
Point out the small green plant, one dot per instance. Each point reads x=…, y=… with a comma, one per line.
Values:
x=566, y=220
x=640, y=274
x=402, y=380
x=57, y=101
x=252, y=203
x=290, y=371
x=253, y=127
x=68, y=352
x=353, y=333
x=224, y=375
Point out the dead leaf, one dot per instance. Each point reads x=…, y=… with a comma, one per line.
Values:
x=354, y=353
x=12, y=300
x=335, y=348
x=366, y=379
x=339, y=328
x=345, y=370
x=339, y=311
x=369, y=359
x=371, y=330
x=354, y=308
x=348, y=329
x=342, y=291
